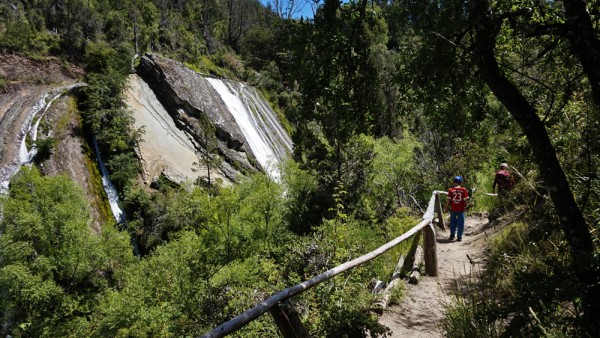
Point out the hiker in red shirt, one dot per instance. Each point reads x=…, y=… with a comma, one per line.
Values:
x=503, y=180
x=457, y=201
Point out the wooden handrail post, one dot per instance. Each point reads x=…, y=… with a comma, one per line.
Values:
x=439, y=213
x=431, y=263
x=288, y=321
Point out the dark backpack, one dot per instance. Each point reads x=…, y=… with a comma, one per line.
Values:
x=504, y=179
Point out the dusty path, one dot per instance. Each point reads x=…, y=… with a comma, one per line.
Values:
x=423, y=306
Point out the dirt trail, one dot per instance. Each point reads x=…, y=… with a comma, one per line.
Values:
x=423, y=306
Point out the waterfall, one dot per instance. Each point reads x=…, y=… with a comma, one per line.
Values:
x=26, y=156
x=29, y=128
x=276, y=136
x=269, y=143
x=109, y=188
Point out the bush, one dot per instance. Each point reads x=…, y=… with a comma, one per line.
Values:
x=45, y=147
x=479, y=201
x=528, y=288
x=397, y=293
x=3, y=84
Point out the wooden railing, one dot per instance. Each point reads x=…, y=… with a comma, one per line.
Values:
x=288, y=321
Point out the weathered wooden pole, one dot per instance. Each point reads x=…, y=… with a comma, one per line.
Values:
x=415, y=273
x=288, y=321
x=439, y=213
x=411, y=254
x=431, y=263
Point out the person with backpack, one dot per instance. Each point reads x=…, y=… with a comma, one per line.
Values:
x=457, y=202
x=503, y=180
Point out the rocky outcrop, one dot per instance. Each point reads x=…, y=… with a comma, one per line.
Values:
x=25, y=84
x=199, y=111
x=180, y=110
x=69, y=156
x=19, y=72
x=30, y=86
x=15, y=111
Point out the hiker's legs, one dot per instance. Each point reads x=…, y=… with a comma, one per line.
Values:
x=502, y=200
x=500, y=207
x=453, y=222
x=460, y=222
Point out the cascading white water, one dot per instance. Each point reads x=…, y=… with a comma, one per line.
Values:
x=109, y=188
x=267, y=121
x=24, y=156
x=262, y=131
x=27, y=156
x=29, y=128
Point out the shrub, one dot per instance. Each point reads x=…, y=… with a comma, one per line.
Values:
x=528, y=288
x=45, y=147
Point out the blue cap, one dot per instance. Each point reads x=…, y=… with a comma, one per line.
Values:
x=458, y=179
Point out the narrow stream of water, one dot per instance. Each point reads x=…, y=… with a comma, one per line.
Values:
x=109, y=188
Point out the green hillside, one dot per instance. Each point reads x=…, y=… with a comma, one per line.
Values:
x=385, y=102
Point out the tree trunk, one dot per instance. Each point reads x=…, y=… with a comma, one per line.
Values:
x=288, y=321
x=584, y=42
x=571, y=218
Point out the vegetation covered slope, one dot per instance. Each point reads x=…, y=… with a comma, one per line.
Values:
x=387, y=100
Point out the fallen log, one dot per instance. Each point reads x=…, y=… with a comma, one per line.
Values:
x=381, y=304
x=415, y=274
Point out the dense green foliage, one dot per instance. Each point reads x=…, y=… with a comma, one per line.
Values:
x=52, y=267
x=206, y=258
x=386, y=101
x=105, y=115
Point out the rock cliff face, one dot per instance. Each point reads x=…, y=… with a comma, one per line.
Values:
x=30, y=86
x=25, y=83
x=198, y=111
x=183, y=114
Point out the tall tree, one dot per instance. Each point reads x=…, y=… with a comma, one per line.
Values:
x=486, y=28
x=584, y=41
x=286, y=9
x=336, y=60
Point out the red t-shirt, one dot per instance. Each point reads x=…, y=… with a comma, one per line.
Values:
x=458, y=198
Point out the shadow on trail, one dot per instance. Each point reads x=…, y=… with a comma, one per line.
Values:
x=459, y=265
